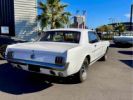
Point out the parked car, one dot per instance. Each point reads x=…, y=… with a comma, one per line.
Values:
x=124, y=40
x=20, y=38
x=59, y=52
x=4, y=41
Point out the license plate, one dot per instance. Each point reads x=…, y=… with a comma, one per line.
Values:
x=34, y=68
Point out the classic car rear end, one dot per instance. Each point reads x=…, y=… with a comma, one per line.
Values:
x=46, y=57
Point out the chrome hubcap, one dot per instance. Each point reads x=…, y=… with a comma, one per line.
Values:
x=84, y=73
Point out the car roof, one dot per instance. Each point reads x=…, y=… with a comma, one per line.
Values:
x=69, y=29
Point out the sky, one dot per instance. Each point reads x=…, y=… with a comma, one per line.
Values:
x=100, y=12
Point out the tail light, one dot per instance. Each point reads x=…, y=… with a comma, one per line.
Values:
x=10, y=54
x=59, y=60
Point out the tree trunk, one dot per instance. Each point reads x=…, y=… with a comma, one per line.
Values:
x=119, y=33
x=52, y=25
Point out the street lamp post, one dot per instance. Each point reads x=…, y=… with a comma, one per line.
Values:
x=131, y=18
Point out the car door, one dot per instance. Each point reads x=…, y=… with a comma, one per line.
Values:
x=96, y=45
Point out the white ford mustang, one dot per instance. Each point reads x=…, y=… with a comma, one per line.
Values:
x=59, y=52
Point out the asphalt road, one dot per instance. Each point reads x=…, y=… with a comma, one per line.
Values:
x=110, y=80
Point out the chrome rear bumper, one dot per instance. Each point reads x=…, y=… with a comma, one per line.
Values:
x=39, y=64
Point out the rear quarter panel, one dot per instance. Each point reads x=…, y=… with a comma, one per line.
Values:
x=75, y=57
x=105, y=45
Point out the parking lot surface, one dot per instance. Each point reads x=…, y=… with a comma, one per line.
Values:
x=110, y=80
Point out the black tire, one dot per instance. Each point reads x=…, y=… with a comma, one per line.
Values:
x=1, y=56
x=81, y=76
x=2, y=51
x=104, y=58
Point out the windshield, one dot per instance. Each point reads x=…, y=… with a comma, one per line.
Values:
x=61, y=36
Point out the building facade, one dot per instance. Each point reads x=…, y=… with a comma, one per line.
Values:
x=25, y=14
x=18, y=16
x=79, y=22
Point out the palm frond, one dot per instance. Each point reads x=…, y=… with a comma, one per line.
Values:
x=53, y=14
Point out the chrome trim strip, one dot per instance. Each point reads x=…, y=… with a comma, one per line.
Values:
x=40, y=64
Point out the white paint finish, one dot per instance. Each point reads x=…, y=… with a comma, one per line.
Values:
x=74, y=54
x=44, y=51
x=45, y=46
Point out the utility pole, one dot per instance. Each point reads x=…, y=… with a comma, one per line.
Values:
x=84, y=19
x=131, y=18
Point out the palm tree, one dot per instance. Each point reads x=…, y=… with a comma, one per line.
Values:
x=53, y=14
x=105, y=28
x=120, y=28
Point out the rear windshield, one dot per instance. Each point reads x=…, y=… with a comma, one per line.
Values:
x=61, y=36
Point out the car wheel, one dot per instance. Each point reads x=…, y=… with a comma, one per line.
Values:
x=1, y=56
x=104, y=58
x=81, y=76
x=2, y=51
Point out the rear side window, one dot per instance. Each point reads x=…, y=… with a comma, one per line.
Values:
x=92, y=37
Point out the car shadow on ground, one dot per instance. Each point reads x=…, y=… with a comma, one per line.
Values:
x=126, y=52
x=128, y=63
x=18, y=82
